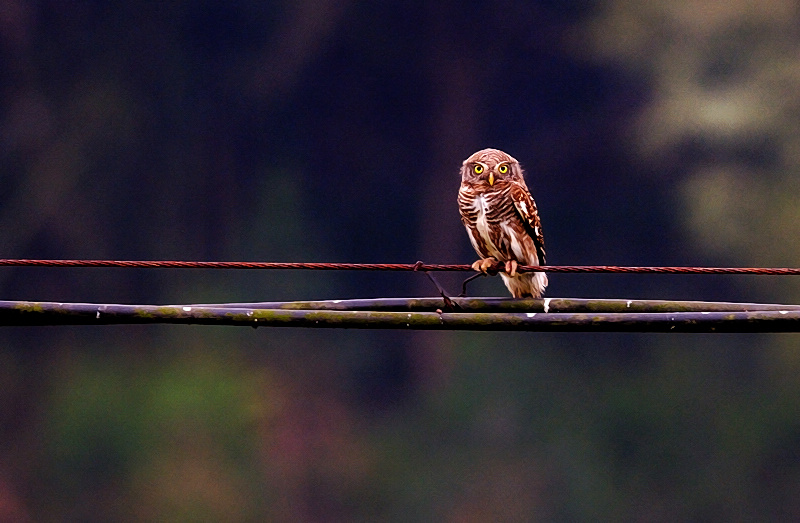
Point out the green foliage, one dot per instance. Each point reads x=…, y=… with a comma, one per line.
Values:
x=174, y=437
x=724, y=111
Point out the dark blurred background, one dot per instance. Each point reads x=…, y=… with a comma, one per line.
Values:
x=661, y=133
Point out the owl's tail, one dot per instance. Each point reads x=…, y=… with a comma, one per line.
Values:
x=526, y=285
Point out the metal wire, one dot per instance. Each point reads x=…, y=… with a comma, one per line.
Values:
x=419, y=266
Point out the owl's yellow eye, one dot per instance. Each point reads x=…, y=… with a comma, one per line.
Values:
x=477, y=169
x=502, y=168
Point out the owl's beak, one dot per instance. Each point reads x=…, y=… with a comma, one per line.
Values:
x=491, y=178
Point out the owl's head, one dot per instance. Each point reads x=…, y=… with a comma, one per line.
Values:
x=490, y=167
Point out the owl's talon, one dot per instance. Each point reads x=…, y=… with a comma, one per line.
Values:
x=486, y=266
x=511, y=268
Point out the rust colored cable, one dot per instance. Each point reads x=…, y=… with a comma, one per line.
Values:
x=419, y=266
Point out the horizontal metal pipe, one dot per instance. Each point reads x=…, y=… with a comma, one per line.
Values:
x=511, y=305
x=51, y=313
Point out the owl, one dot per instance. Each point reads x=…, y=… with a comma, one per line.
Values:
x=502, y=220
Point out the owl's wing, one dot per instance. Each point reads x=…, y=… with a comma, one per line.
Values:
x=527, y=210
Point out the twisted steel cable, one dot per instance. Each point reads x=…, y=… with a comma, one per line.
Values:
x=419, y=266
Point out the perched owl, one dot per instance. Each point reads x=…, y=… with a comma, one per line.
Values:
x=501, y=219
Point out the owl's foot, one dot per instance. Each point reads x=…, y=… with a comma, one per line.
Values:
x=511, y=268
x=486, y=266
